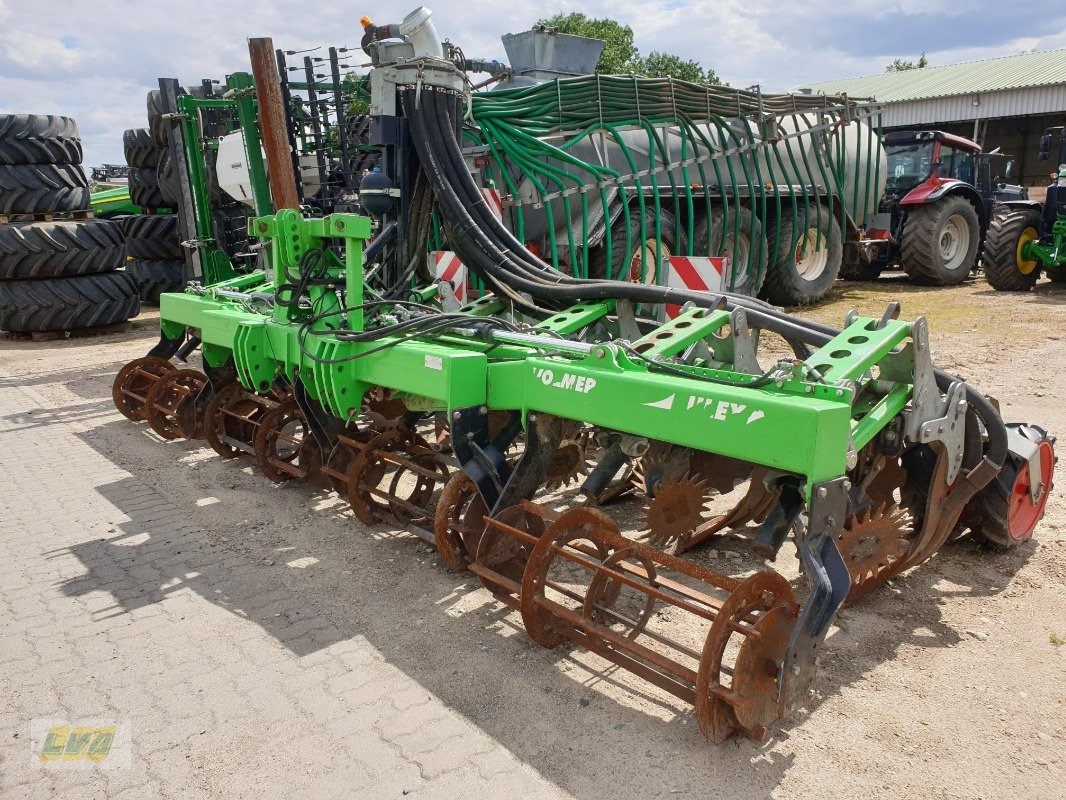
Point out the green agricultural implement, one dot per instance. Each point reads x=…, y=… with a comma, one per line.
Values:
x=1028, y=238
x=519, y=431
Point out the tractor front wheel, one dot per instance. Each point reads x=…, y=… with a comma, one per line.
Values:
x=940, y=241
x=1005, y=269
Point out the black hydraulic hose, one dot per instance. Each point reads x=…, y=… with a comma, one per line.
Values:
x=489, y=248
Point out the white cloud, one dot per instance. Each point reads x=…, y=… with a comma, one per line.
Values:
x=95, y=60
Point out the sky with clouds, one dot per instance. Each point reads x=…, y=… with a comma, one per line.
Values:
x=94, y=60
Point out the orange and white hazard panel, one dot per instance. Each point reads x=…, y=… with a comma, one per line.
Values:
x=701, y=273
x=446, y=266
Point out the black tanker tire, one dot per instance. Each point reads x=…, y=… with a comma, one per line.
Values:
x=919, y=254
x=673, y=240
x=144, y=189
x=784, y=286
x=43, y=189
x=712, y=236
x=1000, y=256
x=55, y=249
x=153, y=237
x=986, y=515
x=39, y=139
x=153, y=277
x=66, y=304
x=141, y=149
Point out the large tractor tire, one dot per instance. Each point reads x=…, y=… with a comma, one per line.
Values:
x=141, y=149
x=57, y=249
x=739, y=237
x=807, y=257
x=144, y=189
x=641, y=253
x=38, y=139
x=155, y=277
x=65, y=304
x=940, y=241
x=1003, y=514
x=167, y=176
x=1005, y=270
x=153, y=237
x=43, y=189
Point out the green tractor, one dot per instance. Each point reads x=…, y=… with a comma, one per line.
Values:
x=1026, y=237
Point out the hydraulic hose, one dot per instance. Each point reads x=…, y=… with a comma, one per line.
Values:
x=490, y=249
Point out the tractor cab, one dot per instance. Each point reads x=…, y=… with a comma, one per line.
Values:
x=920, y=162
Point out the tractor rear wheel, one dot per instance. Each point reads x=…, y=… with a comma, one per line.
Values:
x=1005, y=269
x=940, y=241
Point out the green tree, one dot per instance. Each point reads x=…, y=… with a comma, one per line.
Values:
x=618, y=54
x=899, y=65
x=666, y=65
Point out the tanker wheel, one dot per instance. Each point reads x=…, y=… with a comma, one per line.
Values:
x=1005, y=268
x=641, y=246
x=737, y=235
x=940, y=241
x=806, y=253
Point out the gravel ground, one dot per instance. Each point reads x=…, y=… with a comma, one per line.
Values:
x=946, y=684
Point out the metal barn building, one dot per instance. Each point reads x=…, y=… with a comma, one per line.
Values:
x=1002, y=102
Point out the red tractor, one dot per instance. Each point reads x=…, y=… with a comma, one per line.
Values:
x=936, y=208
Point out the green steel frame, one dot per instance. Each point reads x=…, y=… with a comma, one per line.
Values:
x=800, y=422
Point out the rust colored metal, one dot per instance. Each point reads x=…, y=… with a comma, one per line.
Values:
x=567, y=465
x=232, y=418
x=346, y=449
x=133, y=382
x=284, y=447
x=396, y=478
x=675, y=511
x=504, y=547
x=873, y=542
x=757, y=502
x=170, y=406
x=459, y=521
x=582, y=581
x=273, y=125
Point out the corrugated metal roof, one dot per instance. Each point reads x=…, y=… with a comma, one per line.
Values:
x=972, y=77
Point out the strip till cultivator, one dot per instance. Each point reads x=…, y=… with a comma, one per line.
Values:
x=564, y=438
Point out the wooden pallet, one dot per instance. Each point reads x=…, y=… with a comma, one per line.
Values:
x=58, y=216
x=78, y=333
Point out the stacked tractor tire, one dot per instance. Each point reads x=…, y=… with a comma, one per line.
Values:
x=153, y=240
x=60, y=270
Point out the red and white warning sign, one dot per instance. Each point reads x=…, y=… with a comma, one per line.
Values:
x=446, y=266
x=494, y=202
x=702, y=273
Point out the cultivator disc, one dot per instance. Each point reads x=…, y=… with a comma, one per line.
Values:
x=873, y=543
x=675, y=511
